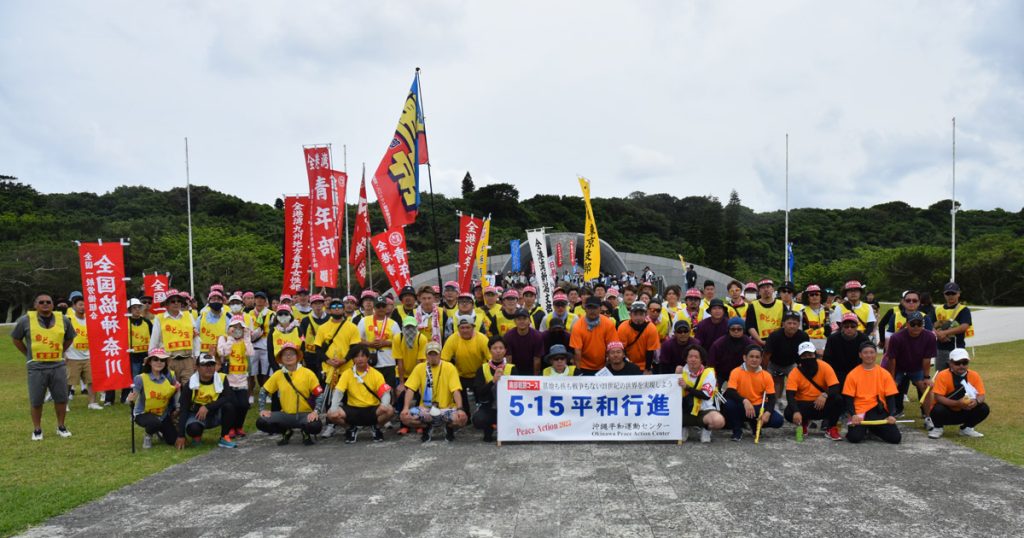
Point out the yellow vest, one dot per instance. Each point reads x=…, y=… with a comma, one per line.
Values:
x=138, y=337
x=734, y=311
x=504, y=323
x=663, y=326
x=176, y=333
x=81, y=341
x=207, y=393
x=281, y=338
x=209, y=333
x=863, y=310
x=570, y=371
x=768, y=319
x=570, y=320
x=489, y=375
x=816, y=323
x=238, y=361
x=699, y=382
x=47, y=344
x=300, y=315
x=943, y=314
x=157, y=394
x=311, y=330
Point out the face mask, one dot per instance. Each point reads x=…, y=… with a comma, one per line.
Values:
x=337, y=316
x=750, y=296
x=216, y=306
x=409, y=332
x=284, y=319
x=237, y=333
x=235, y=308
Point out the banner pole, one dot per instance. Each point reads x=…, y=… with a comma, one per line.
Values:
x=344, y=205
x=188, y=205
x=430, y=181
x=369, y=247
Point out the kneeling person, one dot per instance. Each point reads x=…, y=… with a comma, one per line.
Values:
x=870, y=395
x=366, y=396
x=699, y=390
x=296, y=388
x=439, y=389
x=153, y=394
x=751, y=388
x=959, y=397
x=208, y=402
x=812, y=393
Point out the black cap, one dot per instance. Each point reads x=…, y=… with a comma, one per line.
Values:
x=681, y=326
x=716, y=302
x=260, y=294
x=951, y=287
x=408, y=290
x=556, y=323
x=786, y=286
x=520, y=313
x=792, y=315
x=915, y=316
x=592, y=301
x=380, y=301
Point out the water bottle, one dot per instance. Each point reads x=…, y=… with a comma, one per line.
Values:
x=799, y=433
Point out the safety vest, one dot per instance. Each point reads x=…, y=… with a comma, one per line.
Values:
x=157, y=394
x=210, y=332
x=570, y=320
x=663, y=325
x=863, y=310
x=47, y=344
x=300, y=315
x=489, y=374
x=693, y=320
x=81, y=341
x=796, y=307
x=238, y=361
x=280, y=338
x=697, y=383
x=176, y=333
x=569, y=371
x=943, y=314
x=768, y=318
x=737, y=311
x=259, y=321
x=816, y=322
x=533, y=316
x=138, y=336
x=207, y=393
x=311, y=330
x=502, y=323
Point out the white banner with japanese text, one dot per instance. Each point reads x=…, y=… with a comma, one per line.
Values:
x=598, y=408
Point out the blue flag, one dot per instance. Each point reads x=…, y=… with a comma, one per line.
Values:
x=514, y=246
x=792, y=262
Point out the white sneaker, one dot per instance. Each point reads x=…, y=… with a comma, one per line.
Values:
x=250, y=401
x=929, y=424
x=686, y=433
x=48, y=398
x=328, y=431
x=62, y=431
x=37, y=435
x=71, y=396
x=107, y=404
x=705, y=435
x=147, y=441
x=95, y=406
x=935, y=433
x=971, y=432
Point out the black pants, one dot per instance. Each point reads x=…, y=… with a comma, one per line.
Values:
x=153, y=424
x=279, y=422
x=830, y=413
x=466, y=383
x=485, y=418
x=584, y=371
x=240, y=403
x=942, y=415
x=886, y=432
x=224, y=418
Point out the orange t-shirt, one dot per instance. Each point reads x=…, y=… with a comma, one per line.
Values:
x=593, y=343
x=805, y=391
x=868, y=387
x=637, y=347
x=751, y=385
x=944, y=382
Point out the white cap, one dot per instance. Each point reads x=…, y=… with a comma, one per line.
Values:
x=134, y=302
x=958, y=354
x=805, y=347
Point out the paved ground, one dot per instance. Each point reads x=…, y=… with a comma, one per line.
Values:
x=468, y=488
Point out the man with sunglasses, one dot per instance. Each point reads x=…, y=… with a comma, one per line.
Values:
x=909, y=354
x=43, y=336
x=896, y=319
x=953, y=325
x=674, y=348
x=959, y=397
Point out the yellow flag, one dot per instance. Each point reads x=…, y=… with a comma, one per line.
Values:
x=591, y=244
x=481, y=252
x=682, y=261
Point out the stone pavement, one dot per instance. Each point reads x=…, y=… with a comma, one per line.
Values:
x=468, y=488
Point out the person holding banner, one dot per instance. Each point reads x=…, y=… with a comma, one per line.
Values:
x=361, y=398
x=700, y=406
x=153, y=393
x=79, y=369
x=297, y=389
x=236, y=348
x=590, y=338
x=467, y=351
x=870, y=393
x=813, y=393
x=640, y=337
x=207, y=402
x=485, y=387
x=751, y=391
x=43, y=336
x=436, y=382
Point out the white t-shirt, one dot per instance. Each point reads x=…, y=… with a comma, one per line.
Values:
x=708, y=388
x=389, y=326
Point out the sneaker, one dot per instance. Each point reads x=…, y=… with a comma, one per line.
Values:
x=328, y=431
x=307, y=439
x=971, y=432
x=833, y=434
x=705, y=435
x=285, y=438
x=404, y=430
x=449, y=434
x=226, y=442
x=37, y=435
x=147, y=441
x=239, y=432
x=49, y=397
x=197, y=440
x=107, y=404
x=351, y=434
x=686, y=434
x=61, y=431
x=737, y=435
x=929, y=424
x=425, y=435
x=489, y=436
x=378, y=434
x=95, y=406
x=71, y=395
x=935, y=433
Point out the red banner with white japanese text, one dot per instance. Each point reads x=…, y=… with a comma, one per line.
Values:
x=469, y=238
x=558, y=254
x=106, y=314
x=360, y=236
x=397, y=178
x=156, y=286
x=572, y=252
x=296, y=248
x=390, y=249
x=340, y=185
x=323, y=210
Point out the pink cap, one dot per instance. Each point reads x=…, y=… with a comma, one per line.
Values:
x=286, y=297
x=437, y=290
x=248, y=295
x=615, y=345
x=213, y=294
x=510, y=294
x=765, y=282
x=853, y=285
x=750, y=286
x=813, y=287
x=466, y=295
x=158, y=352
x=613, y=292
x=284, y=308
x=367, y=294
x=693, y=292
x=452, y=284
x=560, y=297
x=217, y=287
x=647, y=284
x=491, y=289
x=529, y=289
x=850, y=316
x=316, y=297
x=350, y=299
x=237, y=319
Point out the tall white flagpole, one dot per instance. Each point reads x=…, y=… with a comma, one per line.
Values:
x=344, y=215
x=188, y=205
x=785, y=245
x=952, y=212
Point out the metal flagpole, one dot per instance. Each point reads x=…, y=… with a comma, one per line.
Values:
x=430, y=180
x=369, y=248
x=344, y=206
x=188, y=205
x=785, y=245
x=952, y=213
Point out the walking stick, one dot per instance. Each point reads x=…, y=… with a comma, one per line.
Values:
x=131, y=416
x=880, y=422
x=757, y=434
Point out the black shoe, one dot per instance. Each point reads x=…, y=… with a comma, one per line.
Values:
x=350, y=435
x=285, y=438
x=307, y=439
x=488, y=436
x=426, y=434
x=378, y=434
x=449, y=434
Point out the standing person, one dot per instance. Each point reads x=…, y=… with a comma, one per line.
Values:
x=485, y=387
x=672, y=354
x=284, y=328
x=616, y=361
x=376, y=333
x=302, y=307
x=407, y=303
x=953, y=325
x=79, y=369
x=713, y=326
x=590, y=338
x=786, y=291
x=816, y=318
x=436, y=382
x=153, y=392
x=259, y=320
x=174, y=331
x=43, y=336
x=781, y=349
x=658, y=318
x=612, y=298
x=896, y=319
x=869, y=393
x=691, y=277
x=700, y=407
x=852, y=292
x=365, y=306
x=909, y=355
x=765, y=314
x=504, y=319
x=333, y=340
x=734, y=297
x=366, y=396
x=465, y=307
x=428, y=316
x=813, y=393
x=629, y=297
x=750, y=386
x=693, y=311
x=467, y=351
x=524, y=345
x=211, y=324
x=672, y=305
x=640, y=338
x=726, y=354
x=349, y=306
x=709, y=293
x=206, y=402
x=308, y=328
x=537, y=313
x=959, y=397
x=739, y=306
x=560, y=302
x=490, y=304
x=449, y=296
x=296, y=388
x=236, y=348
x=842, y=347
x=139, y=331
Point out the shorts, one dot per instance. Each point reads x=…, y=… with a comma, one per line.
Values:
x=260, y=363
x=53, y=379
x=914, y=377
x=78, y=370
x=690, y=420
x=360, y=416
x=780, y=371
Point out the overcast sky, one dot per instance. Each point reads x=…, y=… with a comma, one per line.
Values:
x=685, y=98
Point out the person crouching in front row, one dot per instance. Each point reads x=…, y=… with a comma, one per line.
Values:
x=485, y=387
x=154, y=394
x=207, y=402
x=870, y=394
x=440, y=397
x=361, y=398
x=296, y=388
x=751, y=389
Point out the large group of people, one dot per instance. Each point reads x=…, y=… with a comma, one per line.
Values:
x=427, y=359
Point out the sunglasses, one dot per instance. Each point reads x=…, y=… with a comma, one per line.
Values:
x=157, y=359
x=44, y=302
x=911, y=301
x=147, y=302
x=735, y=329
x=916, y=324
x=951, y=293
x=681, y=331
x=960, y=362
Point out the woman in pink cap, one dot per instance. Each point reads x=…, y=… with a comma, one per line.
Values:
x=816, y=318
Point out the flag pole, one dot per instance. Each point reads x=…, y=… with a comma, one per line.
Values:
x=785, y=244
x=344, y=206
x=188, y=206
x=430, y=181
x=369, y=248
x=952, y=213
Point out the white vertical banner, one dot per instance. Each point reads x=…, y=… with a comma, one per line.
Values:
x=541, y=269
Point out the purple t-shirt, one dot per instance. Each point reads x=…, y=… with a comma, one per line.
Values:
x=672, y=354
x=707, y=331
x=523, y=348
x=909, y=352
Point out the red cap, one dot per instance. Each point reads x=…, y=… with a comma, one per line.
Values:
x=350, y=298
x=813, y=287
x=765, y=282
x=491, y=289
x=613, y=292
x=853, y=285
x=437, y=290
x=510, y=294
x=693, y=292
x=286, y=297
x=367, y=294
x=615, y=345
x=530, y=289
x=466, y=295
x=560, y=297
x=248, y=295
x=750, y=286
x=452, y=284
x=316, y=297
x=850, y=316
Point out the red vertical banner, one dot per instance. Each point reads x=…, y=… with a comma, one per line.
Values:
x=106, y=314
x=572, y=253
x=156, y=286
x=469, y=239
x=558, y=254
x=397, y=179
x=296, y=247
x=360, y=235
x=323, y=211
x=390, y=249
x=340, y=180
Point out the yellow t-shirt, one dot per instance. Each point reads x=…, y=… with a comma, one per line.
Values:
x=446, y=382
x=359, y=396
x=347, y=335
x=303, y=378
x=468, y=355
x=409, y=357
